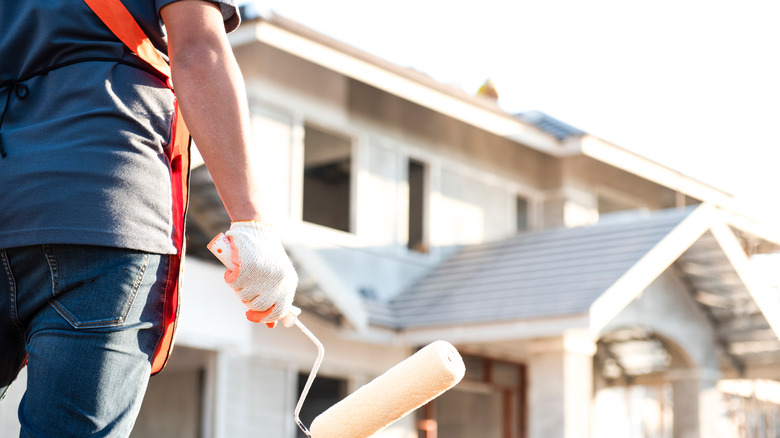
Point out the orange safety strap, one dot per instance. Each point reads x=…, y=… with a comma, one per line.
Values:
x=119, y=20
x=116, y=16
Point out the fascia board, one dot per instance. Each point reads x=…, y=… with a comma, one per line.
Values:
x=498, y=331
x=657, y=260
x=501, y=124
x=767, y=301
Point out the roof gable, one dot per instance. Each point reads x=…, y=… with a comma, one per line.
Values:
x=539, y=274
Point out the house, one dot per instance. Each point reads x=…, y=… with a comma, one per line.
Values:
x=592, y=292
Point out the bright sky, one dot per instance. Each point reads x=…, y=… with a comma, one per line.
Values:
x=692, y=84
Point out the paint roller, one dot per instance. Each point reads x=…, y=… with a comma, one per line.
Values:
x=415, y=381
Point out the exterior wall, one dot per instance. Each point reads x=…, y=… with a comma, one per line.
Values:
x=577, y=187
x=257, y=390
x=474, y=178
x=175, y=399
x=599, y=176
x=250, y=382
x=249, y=379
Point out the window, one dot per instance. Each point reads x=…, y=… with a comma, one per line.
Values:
x=521, y=209
x=490, y=402
x=417, y=240
x=327, y=179
x=324, y=393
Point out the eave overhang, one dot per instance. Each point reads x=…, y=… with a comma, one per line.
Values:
x=703, y=251
x=300, y=41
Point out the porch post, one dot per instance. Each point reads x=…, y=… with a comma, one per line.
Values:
x=696, y=410
x=560, y=386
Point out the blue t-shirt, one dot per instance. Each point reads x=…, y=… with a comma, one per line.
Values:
x=85, y=144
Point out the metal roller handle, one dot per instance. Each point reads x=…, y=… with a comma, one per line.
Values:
x=221, y=248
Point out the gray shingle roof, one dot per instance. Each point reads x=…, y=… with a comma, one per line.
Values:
x=547, y=273
x=551, y=125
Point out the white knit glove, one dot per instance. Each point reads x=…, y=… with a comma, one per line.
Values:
x=263, y=276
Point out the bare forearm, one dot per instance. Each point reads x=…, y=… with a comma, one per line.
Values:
x=211, y=93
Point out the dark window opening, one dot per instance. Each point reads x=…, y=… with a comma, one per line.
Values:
x=521, y=209
x=417, y=239
x=327, y=179
x=324, y=393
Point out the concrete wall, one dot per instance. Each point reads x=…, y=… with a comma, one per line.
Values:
x=560, y=386
x=666, y=308
x=473, y=177
x=578, y=189
x=174, y=403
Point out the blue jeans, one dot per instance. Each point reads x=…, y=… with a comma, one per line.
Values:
x=89, y=319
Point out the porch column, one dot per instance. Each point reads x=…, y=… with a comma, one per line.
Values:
x=253, y=397
x=696, y=408
x=560, y=386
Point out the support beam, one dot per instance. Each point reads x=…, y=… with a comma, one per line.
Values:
x=561, y=387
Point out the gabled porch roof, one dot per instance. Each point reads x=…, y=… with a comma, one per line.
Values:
x=549, y=273
x=543, y=283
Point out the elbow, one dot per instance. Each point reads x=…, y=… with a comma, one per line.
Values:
x=193, y=58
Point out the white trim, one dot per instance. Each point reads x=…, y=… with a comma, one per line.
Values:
x=296, y=166
x=620, y=158
x=649, y=267
x=490, y=332
x=364, y=71
x=670, y=248
x=768, y=302
x=290, y=398
x=220, y=367
x=209, y=402
x=577, y=341
x=751, y=226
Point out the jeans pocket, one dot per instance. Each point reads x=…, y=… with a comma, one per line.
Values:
x=94, y=287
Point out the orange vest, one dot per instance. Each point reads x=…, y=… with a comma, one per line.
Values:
x=119, y=20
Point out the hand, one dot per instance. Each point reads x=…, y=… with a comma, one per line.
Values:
x=263, y=276
x=288, y=320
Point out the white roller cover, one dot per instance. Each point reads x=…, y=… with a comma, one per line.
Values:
x=417, y=380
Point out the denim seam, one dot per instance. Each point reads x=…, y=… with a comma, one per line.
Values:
x=167, y=293
x=52, y=257
x=12, y=295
